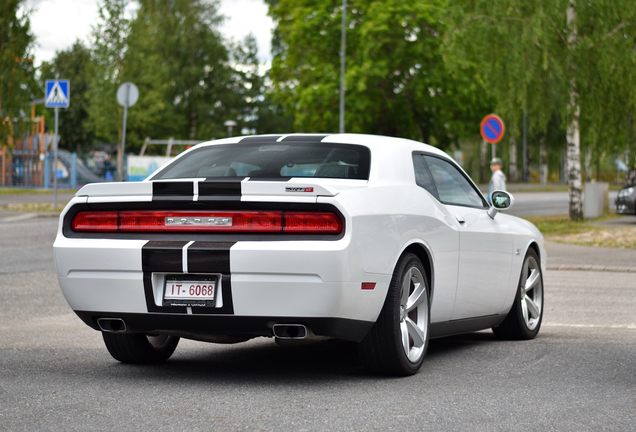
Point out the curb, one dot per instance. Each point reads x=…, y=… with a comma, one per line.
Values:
x=592, y=268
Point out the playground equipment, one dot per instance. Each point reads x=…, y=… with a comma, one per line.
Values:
x=170, y=143
x=74, y=171
x=22, y=157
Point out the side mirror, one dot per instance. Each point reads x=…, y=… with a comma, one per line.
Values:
x=501, y=200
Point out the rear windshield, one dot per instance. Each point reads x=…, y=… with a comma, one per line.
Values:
x=271, y=161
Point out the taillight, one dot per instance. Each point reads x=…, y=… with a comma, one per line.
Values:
x=314, y=223
x=212, y=221
x=95, y=221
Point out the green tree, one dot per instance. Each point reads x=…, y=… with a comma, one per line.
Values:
x=574, y=59
x=255, y=110
x=396, y=80
x=109, y=37
x=177, y=54
x=72, y=64
x=17, y=75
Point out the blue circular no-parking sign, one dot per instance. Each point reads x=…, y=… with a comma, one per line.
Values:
x=492, y=128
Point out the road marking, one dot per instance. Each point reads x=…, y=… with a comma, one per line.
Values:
x=19, y=217
x=569, y=267
x=611, y=326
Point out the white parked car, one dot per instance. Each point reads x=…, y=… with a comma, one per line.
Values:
x=381, y=241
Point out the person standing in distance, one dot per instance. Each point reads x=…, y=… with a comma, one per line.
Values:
x=498, y=179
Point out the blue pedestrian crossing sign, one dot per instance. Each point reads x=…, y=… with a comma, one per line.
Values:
x=57, y=94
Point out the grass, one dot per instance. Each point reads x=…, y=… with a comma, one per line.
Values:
x=584, y=233
x=560, y=225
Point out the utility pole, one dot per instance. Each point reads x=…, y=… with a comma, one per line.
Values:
x=343, y=45
x=524, y=173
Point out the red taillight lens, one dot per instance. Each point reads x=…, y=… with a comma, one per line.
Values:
x=312, y=223
x=95, y=221
x=216, y=221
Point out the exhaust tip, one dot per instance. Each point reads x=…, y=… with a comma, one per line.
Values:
x=112, y=325
x=290, y=331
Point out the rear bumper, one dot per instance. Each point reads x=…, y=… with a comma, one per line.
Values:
x=315, y=283
x=340, y=328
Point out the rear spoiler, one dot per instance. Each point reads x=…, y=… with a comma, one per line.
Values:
x=295, y=187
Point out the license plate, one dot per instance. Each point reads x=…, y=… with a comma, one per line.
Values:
x=180, y=291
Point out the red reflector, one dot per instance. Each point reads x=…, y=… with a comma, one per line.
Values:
x=314, y=223
x=368, y=285
x=208, y=221
x=95, y=221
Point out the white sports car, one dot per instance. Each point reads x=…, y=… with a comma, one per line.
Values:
x=381, y=241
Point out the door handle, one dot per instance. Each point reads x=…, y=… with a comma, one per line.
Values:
x=460, y=219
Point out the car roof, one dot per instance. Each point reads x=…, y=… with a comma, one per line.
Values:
x=374, y=142
x=387, y=161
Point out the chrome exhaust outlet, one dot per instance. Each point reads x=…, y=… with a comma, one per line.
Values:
x=290, y=331
x=112, y=325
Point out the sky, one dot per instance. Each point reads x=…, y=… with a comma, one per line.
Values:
x=57, y=24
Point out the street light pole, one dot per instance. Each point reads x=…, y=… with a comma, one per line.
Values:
x=343, y=45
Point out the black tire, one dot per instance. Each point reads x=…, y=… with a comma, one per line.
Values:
x=524, y=319
x=138, y=348
x=384, y=350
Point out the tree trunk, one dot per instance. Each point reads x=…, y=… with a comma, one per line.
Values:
x=588, y=165
x=543, y=161
x=512, y=172
x=574, y=113
x=630, y=177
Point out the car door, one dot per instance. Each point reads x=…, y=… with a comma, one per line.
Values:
x=444, y=244
x=485, y=244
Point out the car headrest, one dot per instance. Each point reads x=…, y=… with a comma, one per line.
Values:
x=335, y=171
x=217, y=171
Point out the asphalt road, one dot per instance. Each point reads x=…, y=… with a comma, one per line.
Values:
x=578, y=374
x=545, y=203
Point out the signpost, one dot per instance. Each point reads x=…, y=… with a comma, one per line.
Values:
x=127, y=96
x=57, y=96
x=230, y=124
x=492, y=130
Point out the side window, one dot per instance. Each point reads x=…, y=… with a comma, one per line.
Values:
x=423, y=176
x=451, y=185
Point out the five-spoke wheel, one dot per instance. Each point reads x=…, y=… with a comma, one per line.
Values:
x=397, y=342
x=524, y=319
x=414, y=314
